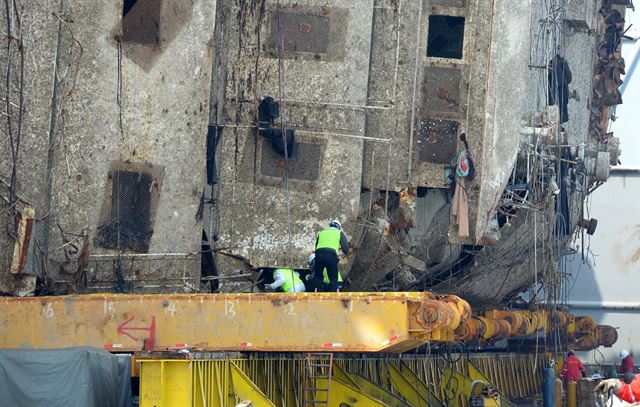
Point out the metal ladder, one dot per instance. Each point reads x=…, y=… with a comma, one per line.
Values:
x=317, y=366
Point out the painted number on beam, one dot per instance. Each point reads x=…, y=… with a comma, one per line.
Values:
x=47, y=310
x=109, y=309
x=229, y=309
x=290, y=310
x=170, y=309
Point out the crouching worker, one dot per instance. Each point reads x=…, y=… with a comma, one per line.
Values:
x=286, y=280
x=329, y=241
x=315, y=283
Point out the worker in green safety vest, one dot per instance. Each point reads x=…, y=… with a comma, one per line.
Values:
x=329, y=241
x=286, y=280
x=325, y=276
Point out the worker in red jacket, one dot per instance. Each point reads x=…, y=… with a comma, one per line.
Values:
x=572, y=370
x=625, y=392
x=627, y=362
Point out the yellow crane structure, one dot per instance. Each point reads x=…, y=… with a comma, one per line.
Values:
x=302, y=322
x=580, y=332
x=278, y=380
x=262, y=326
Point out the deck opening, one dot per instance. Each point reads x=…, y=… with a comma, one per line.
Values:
x=446, y=37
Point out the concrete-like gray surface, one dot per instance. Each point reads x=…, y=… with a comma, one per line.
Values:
x=164, y=112
x=253, y=206
x=359, y=97
x=405, y=82
x=506, y=90
x=400, y=93
x=629, y=120
x=499, y=84
x=579, y=49
x=38, y=85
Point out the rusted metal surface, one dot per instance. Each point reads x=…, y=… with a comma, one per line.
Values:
x=578, y=332
x=589, y=225
x=23, y=237
x=437, y=140
x=363, y=322
x=23, y=214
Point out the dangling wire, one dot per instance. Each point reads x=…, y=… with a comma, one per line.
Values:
x=119, y=91
x=12, y=10
x=119, y=278
x=281, y=96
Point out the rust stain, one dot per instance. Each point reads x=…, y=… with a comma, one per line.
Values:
x=21, y=246
x=210, y=49
x=26, y=237
x=304, y=28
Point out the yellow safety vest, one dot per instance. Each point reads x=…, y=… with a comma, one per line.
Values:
x=329, y=239
x=325, y=276
x=291, y=279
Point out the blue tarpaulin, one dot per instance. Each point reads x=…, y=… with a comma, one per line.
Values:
x=66, y=377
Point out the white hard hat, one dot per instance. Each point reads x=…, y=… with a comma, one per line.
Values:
x=335, y=223
x=624, y=353
x=312, y=258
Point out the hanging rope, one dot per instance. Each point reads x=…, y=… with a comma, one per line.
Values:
x=12, y=11
x=119, y=279
x=281, y=96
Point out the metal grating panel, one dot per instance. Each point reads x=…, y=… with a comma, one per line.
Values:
x=437, y=140
x=129, y=224
x=304, y=166
x=141, y=22
x=441, y=90
x=302, y=32
x=449, y=3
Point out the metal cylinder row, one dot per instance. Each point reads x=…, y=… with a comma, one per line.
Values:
x=443, y=312
x=490, y=326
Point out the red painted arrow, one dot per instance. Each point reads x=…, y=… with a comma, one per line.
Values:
x=123, y=329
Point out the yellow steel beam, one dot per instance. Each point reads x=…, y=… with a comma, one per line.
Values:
x=363, y=322
x=341, y=374
x=225, y=382
x=168, y=383
x=456, y=387
x=476, y=374
x=209, y=383
x=378, y=392
x=420, y=385
x=407, y=389
x=245, y=389
x=350, y=322
x=165, y=383
x=341, y=394
x=367, y=387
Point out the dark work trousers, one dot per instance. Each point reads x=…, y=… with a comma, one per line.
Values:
x=314, y=284
x=329, y=259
